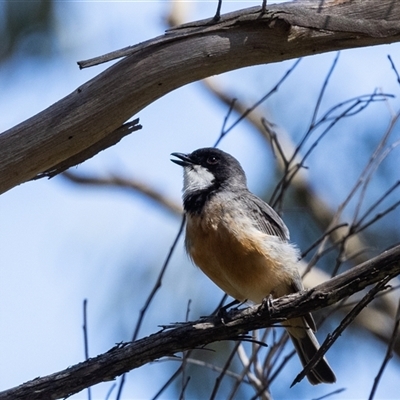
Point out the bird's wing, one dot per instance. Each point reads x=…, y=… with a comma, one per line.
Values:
x=265, y=218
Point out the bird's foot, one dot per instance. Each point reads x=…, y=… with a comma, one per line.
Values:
x=264, y=7
x=266, y=304
x=217, y=15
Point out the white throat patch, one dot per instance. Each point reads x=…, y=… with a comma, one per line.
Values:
x=196, y=177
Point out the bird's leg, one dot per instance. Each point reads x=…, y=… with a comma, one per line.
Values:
x=266, y=304
x=217, y=15
x=263, y=7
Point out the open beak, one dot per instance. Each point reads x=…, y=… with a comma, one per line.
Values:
x=184, y=159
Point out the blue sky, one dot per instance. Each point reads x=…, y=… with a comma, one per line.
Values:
x=61, y=244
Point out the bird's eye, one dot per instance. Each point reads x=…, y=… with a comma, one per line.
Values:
x=212, y=160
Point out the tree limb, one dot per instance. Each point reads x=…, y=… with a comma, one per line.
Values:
x=87, y=116
x=180, y=337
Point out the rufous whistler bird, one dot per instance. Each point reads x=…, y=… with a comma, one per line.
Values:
x=241, y=243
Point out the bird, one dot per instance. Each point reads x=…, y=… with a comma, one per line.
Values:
x=242, y=244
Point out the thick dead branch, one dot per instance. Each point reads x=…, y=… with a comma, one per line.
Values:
x=61, y=134
x=185, y=336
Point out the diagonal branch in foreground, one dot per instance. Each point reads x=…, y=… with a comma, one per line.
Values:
x=180, y=337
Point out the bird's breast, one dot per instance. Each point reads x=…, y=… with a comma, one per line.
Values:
x=240, y=259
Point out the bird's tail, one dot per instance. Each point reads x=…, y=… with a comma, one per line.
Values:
x=306, y=346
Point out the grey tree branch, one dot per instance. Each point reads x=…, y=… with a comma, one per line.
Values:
x=180, y=337
x=62, y=133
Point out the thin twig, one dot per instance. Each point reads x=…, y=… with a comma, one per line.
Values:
x=321, y=238
x=339, y=330
x=274, y=142
x=85, y=330
x=247, y=363
x=223, y=372
x=274, y=354
x=376, y=160
x=152, y=295
x=259, y=102
x=354, y=106
x=185, y=355
x=275, y=351
x=204, y=364
x=364, y=175
x=376, y=204
x=322, y=91
x=108, y=395
x=182, y=394
x=394, y=69
x=159, y=281
x=223, y=133
x=169, y=381
x=330, y=394
x=379, y=216
x=85, y=340
x=389, y=353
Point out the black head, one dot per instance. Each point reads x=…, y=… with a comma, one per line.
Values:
x=206, y=171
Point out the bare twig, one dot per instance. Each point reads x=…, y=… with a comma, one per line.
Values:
x=388, y=355
x=323, y=237
x=85, y=339
x=169, y=381
x=394, y=69
x=186, y=354
x=379, y=155
x=246, y=371
x=322, y=92
x=343, y=325
x=244, y=115
x=223, y=131
x=223, y=371
x=182, y=394
x=325, y=396
x=108, y=395
x=85, y=330
x=255, y=378
x=204, y=364
x=151, y=296
x=351, y=107
x=358, y=226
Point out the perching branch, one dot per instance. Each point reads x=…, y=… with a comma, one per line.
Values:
x=59, y=136
x=180, y=337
